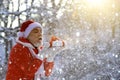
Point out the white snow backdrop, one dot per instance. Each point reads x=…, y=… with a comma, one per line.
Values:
x=92, y=34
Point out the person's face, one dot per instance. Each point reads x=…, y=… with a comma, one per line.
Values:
x=35, y=37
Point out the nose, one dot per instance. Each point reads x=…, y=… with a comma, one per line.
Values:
x=40, y=34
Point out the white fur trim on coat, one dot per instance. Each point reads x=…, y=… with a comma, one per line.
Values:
x=25, y=44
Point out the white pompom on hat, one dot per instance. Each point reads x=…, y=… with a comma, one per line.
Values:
x=27, y=27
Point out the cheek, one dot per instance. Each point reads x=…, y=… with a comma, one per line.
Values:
x=32, y=38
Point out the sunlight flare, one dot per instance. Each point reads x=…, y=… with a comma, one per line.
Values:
x=96, y=3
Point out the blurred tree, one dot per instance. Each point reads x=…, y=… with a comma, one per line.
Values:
x=12, y=13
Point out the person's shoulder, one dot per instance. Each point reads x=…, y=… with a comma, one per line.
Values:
x=18, y=47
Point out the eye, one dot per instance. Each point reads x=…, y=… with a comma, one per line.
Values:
x=35, y=31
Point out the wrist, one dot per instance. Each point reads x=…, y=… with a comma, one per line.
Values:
x=50, y=59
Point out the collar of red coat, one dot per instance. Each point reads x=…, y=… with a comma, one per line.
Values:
x=26, y=43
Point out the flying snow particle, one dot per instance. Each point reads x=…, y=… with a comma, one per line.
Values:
x=77, y=34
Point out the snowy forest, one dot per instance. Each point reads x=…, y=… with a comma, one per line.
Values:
x=90, y=28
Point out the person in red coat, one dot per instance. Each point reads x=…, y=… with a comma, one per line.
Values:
x=24, y=62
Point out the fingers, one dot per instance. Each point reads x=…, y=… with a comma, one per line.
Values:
x=53, y=38
x=56, y=42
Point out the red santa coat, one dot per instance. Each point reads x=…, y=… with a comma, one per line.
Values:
x=22, y=65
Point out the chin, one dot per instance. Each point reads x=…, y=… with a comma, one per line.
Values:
x=37, y=44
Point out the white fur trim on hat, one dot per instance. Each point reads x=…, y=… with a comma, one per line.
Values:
x=20, y=34
x=30, y=28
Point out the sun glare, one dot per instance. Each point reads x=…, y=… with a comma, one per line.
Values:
x=96, y=3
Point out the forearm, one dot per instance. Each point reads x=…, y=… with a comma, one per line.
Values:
x=48, y=66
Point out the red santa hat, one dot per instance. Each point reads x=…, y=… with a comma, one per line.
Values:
x=27, y=27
